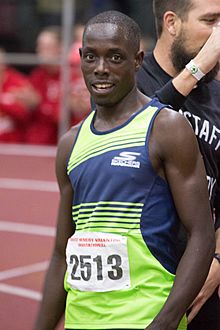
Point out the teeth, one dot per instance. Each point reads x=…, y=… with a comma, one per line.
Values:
x=103, y=86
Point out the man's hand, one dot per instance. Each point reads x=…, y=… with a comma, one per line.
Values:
x=206, y=59
x=210, y=53
x=212, y=282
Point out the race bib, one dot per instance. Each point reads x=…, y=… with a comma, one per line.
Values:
x=97, y=262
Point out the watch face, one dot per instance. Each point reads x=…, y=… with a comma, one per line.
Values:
x=194, y=69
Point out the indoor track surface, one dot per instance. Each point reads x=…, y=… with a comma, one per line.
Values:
x=28, y=209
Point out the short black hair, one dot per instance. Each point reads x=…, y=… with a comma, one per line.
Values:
x=129, y=27
x=180, y=7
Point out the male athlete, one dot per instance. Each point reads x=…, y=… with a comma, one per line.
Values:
x=126, y=176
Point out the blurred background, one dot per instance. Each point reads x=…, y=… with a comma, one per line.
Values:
x=39, y=39
x=42, y=94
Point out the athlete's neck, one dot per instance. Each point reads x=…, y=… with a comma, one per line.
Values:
x=109, y=117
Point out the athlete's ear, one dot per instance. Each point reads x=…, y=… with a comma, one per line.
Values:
x=171, y=23
x=139, y=56
x=80, y=52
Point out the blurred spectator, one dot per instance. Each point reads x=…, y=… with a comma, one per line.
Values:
x=46, y=79
x=79, y=100
x=17, y=99
x=43, y=126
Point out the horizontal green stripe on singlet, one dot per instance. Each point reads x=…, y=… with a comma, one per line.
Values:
x=110, y=214
x=107, y=208
x=107, y=224
x=117, y=231
x=103, y=203
x=110, y=229
x=108, y=220
x=115, y=213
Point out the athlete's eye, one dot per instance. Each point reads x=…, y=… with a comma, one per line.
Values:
x=89, y=57
x=116, y=58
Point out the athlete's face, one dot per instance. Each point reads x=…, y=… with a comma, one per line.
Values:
x=108, y=64
x=194, y=32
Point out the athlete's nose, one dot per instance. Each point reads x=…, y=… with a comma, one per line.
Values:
x=101, y=67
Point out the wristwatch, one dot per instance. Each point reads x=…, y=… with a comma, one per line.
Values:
x=217, y=256
x=195, y=70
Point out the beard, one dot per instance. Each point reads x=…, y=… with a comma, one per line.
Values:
x=180, y=57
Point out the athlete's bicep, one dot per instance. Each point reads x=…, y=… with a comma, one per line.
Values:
x=183, y=169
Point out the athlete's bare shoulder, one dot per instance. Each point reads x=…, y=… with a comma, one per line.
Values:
x=172, y=123
x=65, y=145
x=69, y=137
x=172, y=132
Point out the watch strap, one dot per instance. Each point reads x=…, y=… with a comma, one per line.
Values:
x=217, y=256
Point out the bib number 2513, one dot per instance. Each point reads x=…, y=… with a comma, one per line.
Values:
x=97, y=262
x=87, y=265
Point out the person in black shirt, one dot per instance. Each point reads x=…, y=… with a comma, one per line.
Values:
x=189, y=29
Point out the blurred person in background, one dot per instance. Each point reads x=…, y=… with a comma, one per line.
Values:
x=17, y=100
x=79, y=100
x=181, y=71
x=46, y=79
x=43, y=125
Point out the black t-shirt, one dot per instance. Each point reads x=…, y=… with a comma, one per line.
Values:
x=201, y=108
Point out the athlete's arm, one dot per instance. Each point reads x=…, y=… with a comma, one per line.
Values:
x=54, y=296
x=211, y=284
x=176, y=90
x=175, y=155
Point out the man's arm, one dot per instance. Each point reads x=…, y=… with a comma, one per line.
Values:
x=175, y=91
x=176, y=156
x=54, y=296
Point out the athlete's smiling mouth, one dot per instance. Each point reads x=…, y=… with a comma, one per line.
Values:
x=102, y=87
